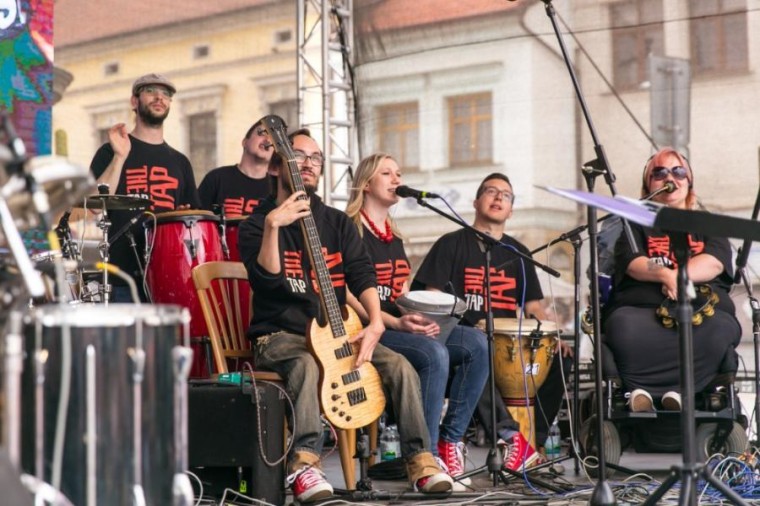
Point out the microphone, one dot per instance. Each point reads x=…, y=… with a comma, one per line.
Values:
x=405, y=191
x=669, y=187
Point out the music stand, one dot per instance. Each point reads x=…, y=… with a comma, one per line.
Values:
x=678, y=223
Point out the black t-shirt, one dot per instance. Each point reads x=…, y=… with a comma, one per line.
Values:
x=457, y=258
x=392, y=267
x=288, y=300
x=236, y=192
x=656, y=245
x=155, y=171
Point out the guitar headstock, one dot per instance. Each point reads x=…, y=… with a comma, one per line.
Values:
x=276, y=131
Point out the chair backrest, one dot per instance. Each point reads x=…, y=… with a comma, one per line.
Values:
x=225, y=298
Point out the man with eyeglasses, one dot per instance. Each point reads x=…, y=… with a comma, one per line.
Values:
x=140, y=163
x=456, y=263
x=239, y=188
x=285, y=301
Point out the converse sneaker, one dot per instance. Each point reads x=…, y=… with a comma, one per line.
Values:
x=426, y=475
x=518, y=453
x=640, y=401
x=671, y=401
x=452, y=455
x=439, y=482
x=457, y=486
x=309, y=485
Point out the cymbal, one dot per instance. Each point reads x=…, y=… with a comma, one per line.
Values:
x=63, y=182
x=116, y=202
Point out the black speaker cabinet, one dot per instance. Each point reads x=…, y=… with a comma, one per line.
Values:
x=224, y=435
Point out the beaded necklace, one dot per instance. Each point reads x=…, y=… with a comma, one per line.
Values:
x=387, y=236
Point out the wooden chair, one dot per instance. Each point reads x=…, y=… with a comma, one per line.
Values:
x=226, y=301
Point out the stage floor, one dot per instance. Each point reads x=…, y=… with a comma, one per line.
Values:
x=576, y=487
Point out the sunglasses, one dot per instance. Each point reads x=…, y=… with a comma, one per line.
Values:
x=661, y=173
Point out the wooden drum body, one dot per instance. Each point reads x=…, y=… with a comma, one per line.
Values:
x=523, y=354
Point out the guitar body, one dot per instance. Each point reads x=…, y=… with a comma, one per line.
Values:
x=350, y=397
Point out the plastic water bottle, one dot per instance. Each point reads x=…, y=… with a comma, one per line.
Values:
x=390, y=443
x=553, y=442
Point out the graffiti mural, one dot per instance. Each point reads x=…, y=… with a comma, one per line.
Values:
x=26, y=70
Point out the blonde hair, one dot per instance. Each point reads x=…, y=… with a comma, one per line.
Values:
x=365, y=171
x=656, y=160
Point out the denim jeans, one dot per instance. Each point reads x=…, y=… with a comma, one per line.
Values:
x=468, y=361
x=430, y=358
x=288, y=355
x=465, y=354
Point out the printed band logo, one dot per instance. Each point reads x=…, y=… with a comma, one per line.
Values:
x=239, y=206
x=503, y=288
x=391, y=276
x=156, y=183
x=658, y=247
x=294, y=272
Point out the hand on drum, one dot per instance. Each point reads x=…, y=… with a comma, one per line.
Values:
x=564, y=348
x=415, y=323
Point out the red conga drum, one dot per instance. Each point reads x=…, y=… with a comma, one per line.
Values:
x=181, y=241
x=231, y=236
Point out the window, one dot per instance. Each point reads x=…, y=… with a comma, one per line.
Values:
x=718, y=36
x=398, y=132
x=202, y=137
x=283, y=36
x=287, y=110
x=111, y=69
x=200, y=52
x=470, y=126
x=637, y=33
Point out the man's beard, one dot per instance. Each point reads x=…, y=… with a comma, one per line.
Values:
x=147, y=116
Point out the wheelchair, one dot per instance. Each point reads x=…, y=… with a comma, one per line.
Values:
x=720, y=424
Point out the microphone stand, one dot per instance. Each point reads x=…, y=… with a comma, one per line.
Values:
x=493, y=461
x=602, y=494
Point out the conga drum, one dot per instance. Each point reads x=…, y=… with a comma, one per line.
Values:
x=182, y=240
x=443, y=308
x=231, y=236
x=523, y=354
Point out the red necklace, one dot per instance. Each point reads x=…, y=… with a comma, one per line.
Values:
x=386, y=236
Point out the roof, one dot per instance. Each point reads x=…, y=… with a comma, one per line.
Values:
x=78, y=21
x=395, y=14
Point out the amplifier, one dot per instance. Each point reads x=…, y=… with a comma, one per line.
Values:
x=224, y=434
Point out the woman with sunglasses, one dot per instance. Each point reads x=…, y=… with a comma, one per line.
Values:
x=413, y=335
x=639, y=320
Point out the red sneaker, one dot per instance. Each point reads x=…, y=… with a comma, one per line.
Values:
x=439, y=482
x=309, y=485
x=518, y=453
x=452, y=455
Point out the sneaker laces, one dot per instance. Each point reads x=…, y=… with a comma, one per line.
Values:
x=314, y=476
x=441, y=464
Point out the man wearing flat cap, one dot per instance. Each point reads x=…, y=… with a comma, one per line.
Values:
x=140, y=163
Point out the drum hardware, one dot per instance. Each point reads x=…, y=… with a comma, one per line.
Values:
x=219, y=211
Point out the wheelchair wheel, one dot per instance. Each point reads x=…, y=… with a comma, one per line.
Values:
x=736, y=441
x=588, y=442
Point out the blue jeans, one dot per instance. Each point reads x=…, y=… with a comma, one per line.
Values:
x=466, y=355
x=288, y=355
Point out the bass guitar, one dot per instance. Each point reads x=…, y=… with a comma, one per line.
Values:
x=350, y=397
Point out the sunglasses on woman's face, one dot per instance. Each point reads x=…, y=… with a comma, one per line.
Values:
x=661, y=173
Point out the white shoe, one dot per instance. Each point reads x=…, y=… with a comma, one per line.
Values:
x=671, y=401
x=640, y=401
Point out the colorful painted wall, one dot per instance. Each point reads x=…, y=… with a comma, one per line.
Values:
x=26, y=70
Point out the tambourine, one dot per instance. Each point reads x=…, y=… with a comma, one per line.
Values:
x=705, y=311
